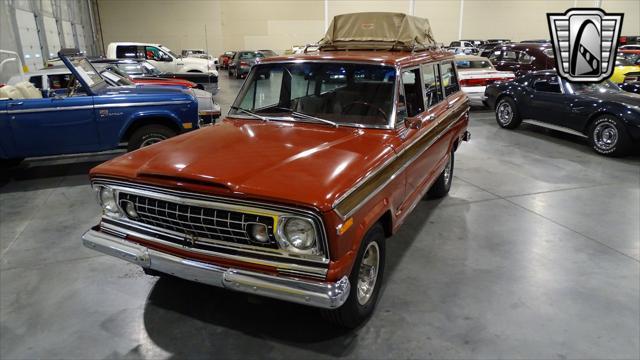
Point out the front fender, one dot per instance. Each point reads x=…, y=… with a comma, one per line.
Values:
x=142, y=115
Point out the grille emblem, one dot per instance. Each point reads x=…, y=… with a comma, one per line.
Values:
x=585, y=43
x=189, y=240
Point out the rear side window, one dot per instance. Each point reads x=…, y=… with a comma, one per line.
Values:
x=525, y=59
x=449, y=78
x=128, y=52
x=432, y=85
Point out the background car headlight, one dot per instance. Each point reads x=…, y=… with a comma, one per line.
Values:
x=107, y=199
x=300, y=233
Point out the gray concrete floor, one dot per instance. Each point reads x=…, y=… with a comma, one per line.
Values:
x=534, y=255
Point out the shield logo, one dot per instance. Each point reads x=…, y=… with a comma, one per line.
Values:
x=585, y=43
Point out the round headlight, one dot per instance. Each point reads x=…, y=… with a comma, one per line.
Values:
x=108, y=200
x=300, y=233
x=258, y=232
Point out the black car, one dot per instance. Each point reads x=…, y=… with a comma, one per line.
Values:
x=601, y=112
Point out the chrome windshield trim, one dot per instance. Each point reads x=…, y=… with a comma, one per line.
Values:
x=190, y=198
x=390, y=122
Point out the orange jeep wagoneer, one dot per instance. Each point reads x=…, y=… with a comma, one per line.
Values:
x=322, y=156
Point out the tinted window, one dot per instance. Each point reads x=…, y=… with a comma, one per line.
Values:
x=432, y=85
x=128, y=52
x=455, y=44
x=546, y=83
x=412, y=92
x=509, y=55
x=525, y=59
x=449, y=78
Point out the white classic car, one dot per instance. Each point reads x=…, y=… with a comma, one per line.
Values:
x=475, y=73
x=161, y=57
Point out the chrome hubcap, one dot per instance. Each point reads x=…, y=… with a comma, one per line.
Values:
x=505, y=114
x=605, y=136
x=368, y=273
x=152, y=140
x=447, y=172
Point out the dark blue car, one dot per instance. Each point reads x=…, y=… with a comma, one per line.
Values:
x=87, y=115
x=602, y=113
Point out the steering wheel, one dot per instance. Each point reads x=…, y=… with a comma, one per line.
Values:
x=378, y=109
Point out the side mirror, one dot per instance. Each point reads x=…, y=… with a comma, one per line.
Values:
x=412, y=123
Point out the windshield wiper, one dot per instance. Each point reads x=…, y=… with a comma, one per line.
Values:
x=306, y=116
x=245, y=111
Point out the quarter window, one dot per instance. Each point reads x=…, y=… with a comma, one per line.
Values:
x=432, y=85
x=412, y=92
x=449, y=78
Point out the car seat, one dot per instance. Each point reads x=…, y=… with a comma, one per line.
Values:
x=28, y=90
x=10, y=92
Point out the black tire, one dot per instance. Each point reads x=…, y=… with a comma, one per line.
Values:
x=441, y=187
x=608, y=136
x=352, y=313
x=507, y=115
x=149, y=134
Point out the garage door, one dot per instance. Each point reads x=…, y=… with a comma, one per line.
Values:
x=67, y=35
x=80, y=37
x=29, y=40
x=51, y=36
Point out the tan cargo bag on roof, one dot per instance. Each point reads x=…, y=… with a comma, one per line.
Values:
x=378, y=31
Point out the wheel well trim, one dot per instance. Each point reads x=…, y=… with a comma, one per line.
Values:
x=138, y=120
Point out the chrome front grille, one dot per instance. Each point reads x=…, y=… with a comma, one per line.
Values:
x=203, y=224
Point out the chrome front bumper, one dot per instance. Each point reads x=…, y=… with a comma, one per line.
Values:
x=313, y=293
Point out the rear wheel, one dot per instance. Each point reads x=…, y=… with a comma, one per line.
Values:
x=507, y=113
x=149, y=135
x=365, y=279
x=442, y=185
x=608, y=136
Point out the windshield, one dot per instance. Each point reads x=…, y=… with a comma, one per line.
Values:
x=87, y=72
x=474, y=64
x=167, y=50
x=586, y=88
x=351, y=94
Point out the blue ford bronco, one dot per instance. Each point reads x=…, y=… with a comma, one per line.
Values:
x=88, y=115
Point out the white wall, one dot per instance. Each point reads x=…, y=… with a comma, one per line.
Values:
x=253, y=24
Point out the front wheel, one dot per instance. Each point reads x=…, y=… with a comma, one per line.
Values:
x=366, y=280
x=507, y=114
x=608, y=136
x=149, y=135
x=442, y=185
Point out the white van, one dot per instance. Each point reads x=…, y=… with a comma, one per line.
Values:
x=161, y=57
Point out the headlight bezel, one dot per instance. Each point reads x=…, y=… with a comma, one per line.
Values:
x=112, y=210
x=287, y=245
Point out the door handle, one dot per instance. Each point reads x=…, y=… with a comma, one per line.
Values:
x=19, y=103
x=430, y=117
